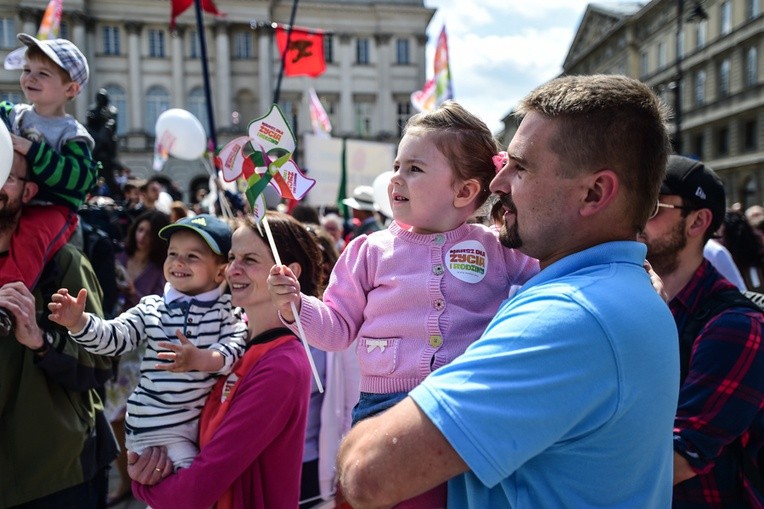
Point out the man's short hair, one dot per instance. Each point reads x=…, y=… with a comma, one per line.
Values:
x=608, y=122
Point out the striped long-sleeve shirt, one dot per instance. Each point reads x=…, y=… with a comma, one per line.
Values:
x=721, y=400
x=61, y=155
x=163, y=399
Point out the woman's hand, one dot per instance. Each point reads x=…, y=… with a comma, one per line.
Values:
x=150, y=467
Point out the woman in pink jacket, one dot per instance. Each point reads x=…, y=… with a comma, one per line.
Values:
x=252, y=428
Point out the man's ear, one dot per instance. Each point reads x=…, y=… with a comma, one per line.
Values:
x=698, y=221
x=30, y=191
x=601, y=189
x=466, y=192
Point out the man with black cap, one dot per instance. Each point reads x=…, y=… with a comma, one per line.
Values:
x=720, y=403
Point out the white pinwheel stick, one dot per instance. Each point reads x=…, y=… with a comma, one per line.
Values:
x=277, y=258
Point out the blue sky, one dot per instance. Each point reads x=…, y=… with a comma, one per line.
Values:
x=501, y=49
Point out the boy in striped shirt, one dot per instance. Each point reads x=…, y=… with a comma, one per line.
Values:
x=176, y=374
x=58, y=150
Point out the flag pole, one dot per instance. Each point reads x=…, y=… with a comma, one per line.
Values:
x=292, y=15
x=213, y=140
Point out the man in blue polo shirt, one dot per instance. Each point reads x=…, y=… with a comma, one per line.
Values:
x=567, y=399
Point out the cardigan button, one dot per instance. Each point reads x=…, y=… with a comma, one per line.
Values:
x=436, y=340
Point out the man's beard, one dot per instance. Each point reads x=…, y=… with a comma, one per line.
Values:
x=9, y=213
x=509, y=236
x=663, y=252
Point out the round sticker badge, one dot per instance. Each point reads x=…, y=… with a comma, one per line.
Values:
x=467, y=261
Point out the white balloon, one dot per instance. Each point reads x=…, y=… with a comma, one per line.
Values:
x=381, y=197
x=6, y=153
x=181, y=133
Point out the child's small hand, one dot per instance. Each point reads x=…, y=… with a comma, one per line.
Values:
x=187, y=357
x=285, y=290
x=67, y=311
x=20, y=144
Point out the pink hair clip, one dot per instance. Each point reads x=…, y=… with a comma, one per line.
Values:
x=500, y=160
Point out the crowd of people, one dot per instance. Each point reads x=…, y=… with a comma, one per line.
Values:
x=559, y=325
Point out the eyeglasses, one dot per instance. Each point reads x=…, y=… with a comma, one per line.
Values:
x=14, y=179
x=659, y=206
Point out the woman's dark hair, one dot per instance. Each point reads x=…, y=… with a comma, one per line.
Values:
x=157, y=220
x=741, y=240
x=295, y=245
x=329, y=253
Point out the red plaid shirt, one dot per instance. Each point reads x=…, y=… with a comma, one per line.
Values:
x=721, y=399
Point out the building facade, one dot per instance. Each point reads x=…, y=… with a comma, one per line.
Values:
x=375, y=53
x=705, y=64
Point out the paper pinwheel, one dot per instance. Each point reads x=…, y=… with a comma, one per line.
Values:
x=265, y=158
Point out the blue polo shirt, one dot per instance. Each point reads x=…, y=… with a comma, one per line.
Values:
x=568, y=398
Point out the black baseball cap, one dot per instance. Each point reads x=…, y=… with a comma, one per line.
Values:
x=698, y=185
x=215, y=232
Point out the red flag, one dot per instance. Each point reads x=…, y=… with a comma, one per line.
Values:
x=180, y=6
x=305, y=56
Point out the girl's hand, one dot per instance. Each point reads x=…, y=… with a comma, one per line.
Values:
x=285, y=291
x=150, y=467
x=67, y=311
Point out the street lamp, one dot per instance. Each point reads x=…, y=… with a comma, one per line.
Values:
x=697, y=15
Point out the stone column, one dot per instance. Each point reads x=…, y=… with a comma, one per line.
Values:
x=87, y=93
x=178, y=89
x=385, y=106
x=264, y=68
x=346, y=85
x=135, y=93
x=223, y=75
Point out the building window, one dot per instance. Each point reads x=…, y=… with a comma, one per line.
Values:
x=643, y=63
x=402, y=52
x=362, y=51
x=242, y=45
x=698, y=145
x=156, y=43
x=751, y=9
x=724, y=78
x=750, y=135
x=194, y=46
x=7, y=33
x=700, y=33
x=157, y=101
x=700, y=88
x=725, y=17
x=723, y=141
x=197, y=106
x=363, y=114
x=328, y=48
x=118, y=99
x=751, y=66
x=404, y=113
x=661, y=55
x=111, y=40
